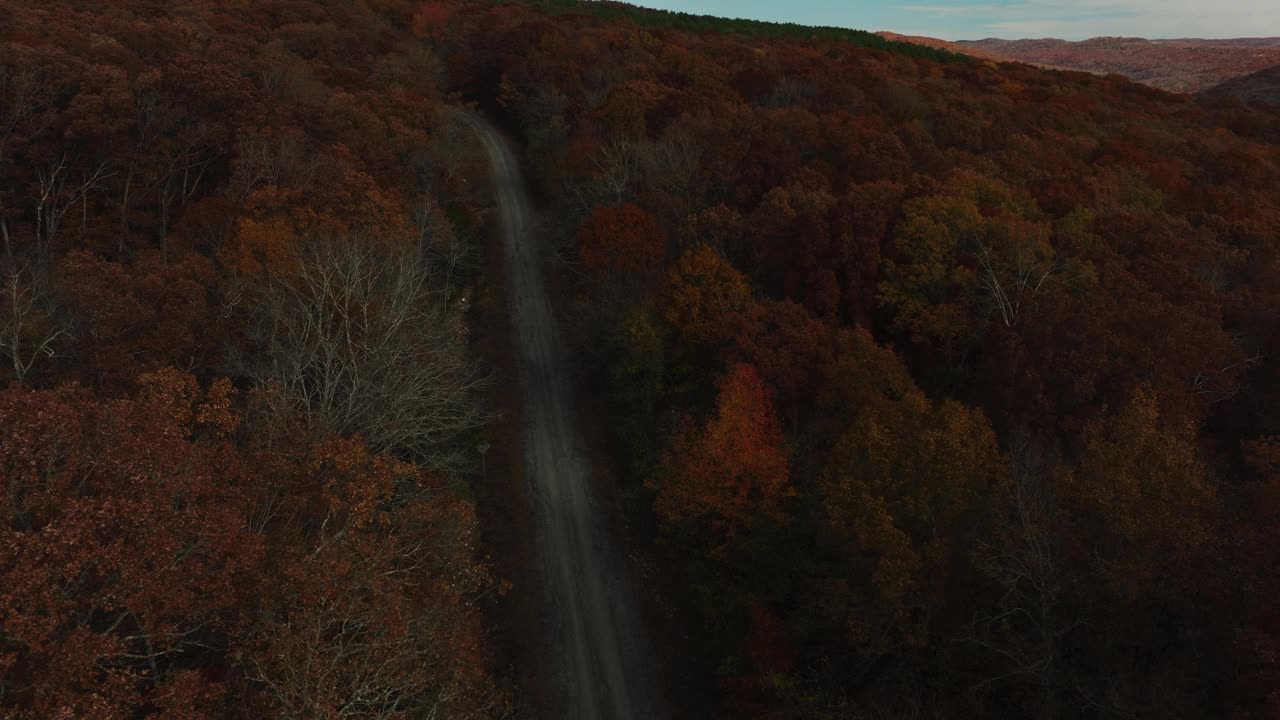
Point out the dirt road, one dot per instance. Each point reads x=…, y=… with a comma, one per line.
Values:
x=599, y=663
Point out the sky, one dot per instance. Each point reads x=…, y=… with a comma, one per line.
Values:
x=977, y=19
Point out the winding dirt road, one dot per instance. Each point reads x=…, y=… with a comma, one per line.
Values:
x=599, y=664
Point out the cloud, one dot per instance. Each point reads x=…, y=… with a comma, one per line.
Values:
x=957, y=10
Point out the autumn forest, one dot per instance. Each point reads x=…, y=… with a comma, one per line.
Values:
x=914, y=384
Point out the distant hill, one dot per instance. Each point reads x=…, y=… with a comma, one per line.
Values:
x=967, y=49
x=1263, y=85
x=1183, y=65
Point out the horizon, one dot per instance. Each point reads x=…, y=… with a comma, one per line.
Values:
x=961, y=20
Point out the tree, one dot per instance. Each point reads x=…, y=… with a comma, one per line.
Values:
x=1028, y=629
x=798, y=242
x=732, y=472
x=375, y=613
x=905, y=489
x=791, y=349
x=671, y=168
x=616, y=166
x=267, y=244
x=637, y=369
x=961, y=257
x=265, y=159
x=123, y=549
x=930, y=294
x=623, y=239
x=355, y=339
x=141, y=316
x=162, y=179
x=1142, y=508
x=30, y=328
x=59, y=188
x=431, y=19
x=869, y=210
x=700, y=294
x=625, y=110
x=1257, y=640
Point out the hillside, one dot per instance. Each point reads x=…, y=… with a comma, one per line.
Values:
x=1188, y=65
x=1262, y=86
x=224, y=492
x=971, y=50
x=763, y=29
x=895, y=384
x=883, y=345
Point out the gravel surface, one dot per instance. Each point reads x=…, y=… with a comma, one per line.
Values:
x=600, y=663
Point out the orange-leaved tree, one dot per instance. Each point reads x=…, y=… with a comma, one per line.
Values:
x=733, y=470
x=701, y=293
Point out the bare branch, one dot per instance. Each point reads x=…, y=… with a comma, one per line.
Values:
x=29, y=327
x=356, y=339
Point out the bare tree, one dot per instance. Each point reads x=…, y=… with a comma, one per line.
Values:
x=1027, y=625
x=55, y=196
x=1224, y=384
x=1031, y=265
x=23, y=90
x=791, y=91
x=280, y=159
x=673, y=165
x=26, y=93
x=454, y=254
x=29, y=327
x=357, y=339
x=617, y=169
x=177, y=168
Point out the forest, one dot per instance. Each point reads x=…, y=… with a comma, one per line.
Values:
x=239, y=401
x=936, y=387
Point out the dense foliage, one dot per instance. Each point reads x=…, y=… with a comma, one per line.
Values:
x=946, y=389
x=1262, y=86
x=238, y=409
x=952, y=390
x=652, y=17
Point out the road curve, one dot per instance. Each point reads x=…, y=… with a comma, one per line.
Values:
x=599, y=663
